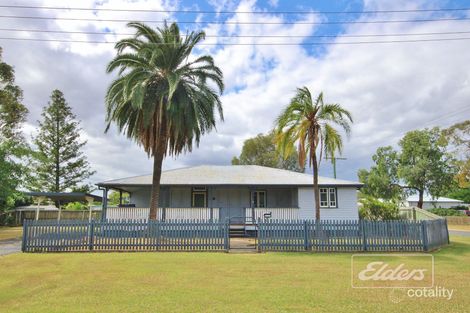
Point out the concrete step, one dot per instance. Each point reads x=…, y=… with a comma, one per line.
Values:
x=237, y=231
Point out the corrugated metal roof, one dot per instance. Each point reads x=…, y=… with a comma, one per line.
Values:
x=68, y=196
x=229, y=175
x=428, y=198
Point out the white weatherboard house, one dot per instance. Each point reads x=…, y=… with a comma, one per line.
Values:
x=431, y=203
x=238, y=193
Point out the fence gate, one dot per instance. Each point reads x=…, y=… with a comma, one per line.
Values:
x=243, y=233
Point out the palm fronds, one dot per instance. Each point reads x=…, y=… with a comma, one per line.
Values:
x=310, y=124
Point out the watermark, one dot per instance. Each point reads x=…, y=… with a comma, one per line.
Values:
x=392, y=271
x=410, y=276
x=397, y=295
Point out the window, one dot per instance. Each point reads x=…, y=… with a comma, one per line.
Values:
x=332, y=198
x=328, y=198
x=324, y=197
x=259, y=199
x=199, y=197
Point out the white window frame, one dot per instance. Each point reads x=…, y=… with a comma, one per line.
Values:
x=330, y=203
x=257, y=204
x=198, y=191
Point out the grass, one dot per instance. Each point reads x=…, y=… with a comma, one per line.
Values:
x=459, y=227
x=10, y=232
x=213, y=282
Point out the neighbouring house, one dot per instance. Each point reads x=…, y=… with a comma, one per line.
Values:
x=237, y=193
x=431, y=203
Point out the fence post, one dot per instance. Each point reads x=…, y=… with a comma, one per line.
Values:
x=25, y=229
x=158, y=232
x=425, y=234
x=306, y=241
x=364, y=236
x=91, y=227
x=227, y=235
x=447, y=231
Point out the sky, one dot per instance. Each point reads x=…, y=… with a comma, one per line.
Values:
x=389, y=88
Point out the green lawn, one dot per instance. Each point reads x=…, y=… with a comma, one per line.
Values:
x=213, y=282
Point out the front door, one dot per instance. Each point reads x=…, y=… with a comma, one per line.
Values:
x=231, y=202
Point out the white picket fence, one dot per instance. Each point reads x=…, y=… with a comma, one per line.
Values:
x=138, y=214
x=202, y=214
x=271, y=213
x=127, y=214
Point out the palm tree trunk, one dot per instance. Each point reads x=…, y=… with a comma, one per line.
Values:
x=157, y=173
x=316, y=190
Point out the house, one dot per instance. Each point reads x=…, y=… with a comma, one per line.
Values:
x=430, y=202
x=237, y=193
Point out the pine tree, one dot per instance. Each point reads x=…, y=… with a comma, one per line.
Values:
x=59, y=165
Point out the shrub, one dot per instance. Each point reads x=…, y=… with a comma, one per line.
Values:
x=76, y=206
x=460, y=207
x=7, y=219
x=446, y=212
x=375, y=209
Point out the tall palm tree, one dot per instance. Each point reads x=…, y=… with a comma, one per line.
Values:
x=162, y=98
x=310, y=123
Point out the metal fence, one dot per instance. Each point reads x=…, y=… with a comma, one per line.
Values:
x=337, y=236
x=55, y=236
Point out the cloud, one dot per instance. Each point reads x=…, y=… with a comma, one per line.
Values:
x=389, y=88
x=273, y=3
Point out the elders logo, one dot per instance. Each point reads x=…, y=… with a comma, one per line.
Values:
x=392, y=271
x=382, y=271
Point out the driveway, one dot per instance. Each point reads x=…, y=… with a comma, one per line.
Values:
x=10, y=246
x=459, y=233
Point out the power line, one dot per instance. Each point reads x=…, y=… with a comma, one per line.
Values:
x=434, y=121
x=254, y=44
x=333, y=159
x=239, y=36
x=231, y=12
x=235, y=23
x=448, y=115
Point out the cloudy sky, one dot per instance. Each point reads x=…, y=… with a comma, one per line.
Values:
x=390, y=88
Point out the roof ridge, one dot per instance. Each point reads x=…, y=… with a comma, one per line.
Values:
x=266, y=174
